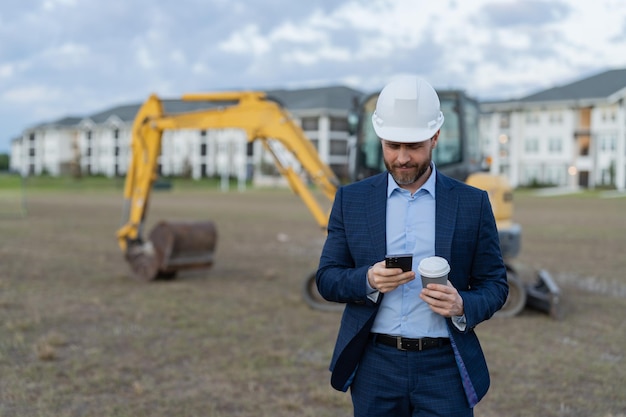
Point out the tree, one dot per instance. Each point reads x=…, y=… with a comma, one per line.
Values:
x=4, y=162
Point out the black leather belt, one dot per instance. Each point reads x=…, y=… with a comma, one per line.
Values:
x=403, y=343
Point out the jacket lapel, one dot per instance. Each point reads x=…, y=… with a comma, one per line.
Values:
x=445, y=217
x=376, y=215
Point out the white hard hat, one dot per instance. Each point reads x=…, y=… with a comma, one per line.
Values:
x=407, y=111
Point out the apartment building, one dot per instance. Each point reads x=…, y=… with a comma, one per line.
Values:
x=570, y=136
x=99, y=144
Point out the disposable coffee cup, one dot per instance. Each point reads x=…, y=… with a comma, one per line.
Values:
x=433, y=270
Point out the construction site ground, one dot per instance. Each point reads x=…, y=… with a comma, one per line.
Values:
x=79, y=337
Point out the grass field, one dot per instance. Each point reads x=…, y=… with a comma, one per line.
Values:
x=78, y=337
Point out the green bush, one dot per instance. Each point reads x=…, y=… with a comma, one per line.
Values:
x=4, y=162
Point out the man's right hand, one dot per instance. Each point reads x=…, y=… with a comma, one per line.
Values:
x=387, y=279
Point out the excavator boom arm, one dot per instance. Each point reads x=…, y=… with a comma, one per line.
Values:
x=259, y=117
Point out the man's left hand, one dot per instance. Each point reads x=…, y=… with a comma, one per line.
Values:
x=443, y=299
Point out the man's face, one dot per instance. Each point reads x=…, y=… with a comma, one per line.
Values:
x=408, y=162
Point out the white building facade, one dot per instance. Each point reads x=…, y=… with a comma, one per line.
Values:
x=570, y=136
x=100, y=144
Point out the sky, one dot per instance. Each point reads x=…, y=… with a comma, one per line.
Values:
x=63, y=58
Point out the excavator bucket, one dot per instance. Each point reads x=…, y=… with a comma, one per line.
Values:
x=172, y=247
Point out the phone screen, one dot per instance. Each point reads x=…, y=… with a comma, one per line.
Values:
x=403, y=261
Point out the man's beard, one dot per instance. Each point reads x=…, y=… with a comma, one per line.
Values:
x=408, y=178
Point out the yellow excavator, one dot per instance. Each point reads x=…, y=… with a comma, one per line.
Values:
x=174, y=246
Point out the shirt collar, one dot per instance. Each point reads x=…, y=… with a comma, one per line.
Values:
x=429, y=185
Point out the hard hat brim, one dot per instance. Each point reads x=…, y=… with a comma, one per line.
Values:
x=405, y=134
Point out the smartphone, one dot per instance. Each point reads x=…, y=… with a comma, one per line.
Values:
x=403, y=261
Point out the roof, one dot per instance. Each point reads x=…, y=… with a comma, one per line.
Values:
x=331, y=98
x=129, y=111
x=597, y=86
x=66, y=121
x=124, y=112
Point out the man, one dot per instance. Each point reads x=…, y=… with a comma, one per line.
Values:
x=404, y=350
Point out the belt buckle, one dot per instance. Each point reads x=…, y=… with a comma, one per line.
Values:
x=399, y=343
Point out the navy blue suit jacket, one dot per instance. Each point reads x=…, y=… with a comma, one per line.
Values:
x=465, y=234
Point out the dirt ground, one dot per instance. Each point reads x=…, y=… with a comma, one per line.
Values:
x=78, y=337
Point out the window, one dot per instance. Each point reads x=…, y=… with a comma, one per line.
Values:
x=310, y=123
x=608, y=142
x=116, y=134
x=531, y=174
x=555, y=175
x=338, y=124
x=472, y=135
x=556, y=118
x=448, y=149
x=532, y=118
x=505, y=120
x=203, y=149
x=609, y=115
x=555, y=145
x=531, y=145
x=338, y=147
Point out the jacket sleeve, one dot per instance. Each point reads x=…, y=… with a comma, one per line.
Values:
x=340, y=277
x=488, y=286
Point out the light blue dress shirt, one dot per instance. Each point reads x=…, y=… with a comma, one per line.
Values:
x=410, y=229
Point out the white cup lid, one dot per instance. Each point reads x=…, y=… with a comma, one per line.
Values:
x=433, y=266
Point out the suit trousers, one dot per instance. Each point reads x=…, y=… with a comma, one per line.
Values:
x=391, y=382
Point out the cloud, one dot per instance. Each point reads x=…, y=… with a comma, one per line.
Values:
x=66, y=56
x=6, y=70
x=326, y=53
x=60, y=57
x=246, y=41
x=34, y=93
x=50, y=5
x=292, y=33
x=516, y=13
